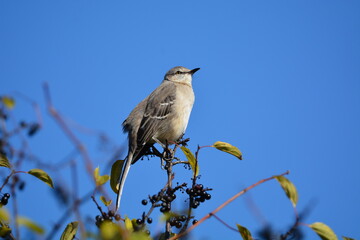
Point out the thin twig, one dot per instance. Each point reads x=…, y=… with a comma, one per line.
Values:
x=223, y=222
x=223, y=205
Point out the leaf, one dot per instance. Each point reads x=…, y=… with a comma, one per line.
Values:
x=116, y=169
x=139, y=235
x=4, y=162
x=128, y=224
x=4, y=230
x=324, y=231
x=100, y=180
x=70, y=231
x=191, y=159
x=9, y=102
x=4, y=215
x=30, y=225
x=106, y=203
x=109, y=231
x=347, y=238
x=226, y=147
x=289, y=188
x=167, y=215
x=43, y=176
x=245, y=233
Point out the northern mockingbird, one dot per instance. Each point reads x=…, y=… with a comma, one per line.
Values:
x=162, y=116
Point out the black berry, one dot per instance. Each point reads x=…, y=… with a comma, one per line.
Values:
x=144, y=202
x=149, y=220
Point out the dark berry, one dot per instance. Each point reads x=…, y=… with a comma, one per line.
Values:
x=149, y=220
x=195, y=221
x=111, y=213
x=117, y=217
x=182, y=218
x=207, y=196
x=4, y=201
x=199, y=186
x=139, y=221
x=195, y=204
x=144, y=202
x=173, y=196
x=97, y=218
x=201, y=199
x=7, y=195
x=178, y=224
x=164, y=209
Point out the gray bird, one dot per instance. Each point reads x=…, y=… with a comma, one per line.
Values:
x=162, y=116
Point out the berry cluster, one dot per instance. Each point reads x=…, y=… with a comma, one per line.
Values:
x=5, y=198
x=198, y=195
x=177, y=221
x=109, y=216
x=165, y=197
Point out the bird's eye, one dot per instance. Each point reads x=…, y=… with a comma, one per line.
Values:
x=178, y=72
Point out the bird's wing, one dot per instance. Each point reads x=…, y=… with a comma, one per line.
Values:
x=158, y=108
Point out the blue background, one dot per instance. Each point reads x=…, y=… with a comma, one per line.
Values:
x=278, y=79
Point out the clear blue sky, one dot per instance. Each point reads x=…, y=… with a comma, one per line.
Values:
x=278, y=79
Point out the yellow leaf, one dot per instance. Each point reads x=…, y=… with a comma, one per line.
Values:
x=128, y=224
x=4, y=162
x=191, y=159
x=289, y=188
x=42, y=175
x=106, y=203
x=4, y=215
x=70, y=231
x=9, y=102
x=227, y=147
x=100, y=180
x=30, y=225
x=110, y=231
x=245, y=233
x=323, y=231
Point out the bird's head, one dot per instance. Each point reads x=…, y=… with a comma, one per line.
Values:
x=180, y=75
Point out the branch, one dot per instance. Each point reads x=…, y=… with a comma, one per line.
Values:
x=224, y=204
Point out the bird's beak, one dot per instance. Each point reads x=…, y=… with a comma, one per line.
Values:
x=194, y=71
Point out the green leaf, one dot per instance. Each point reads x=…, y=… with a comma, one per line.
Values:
x=9, y=102
x=289, y=188
x=4, y=162
x=324, y=231
x=42, y=175
x=26, y=222
x=191, y=159
x=347, y=238
x=100, y=180
x=227, y=147
x=106, y=203
x=116, y=169
x=70, y=231
x=245, y=233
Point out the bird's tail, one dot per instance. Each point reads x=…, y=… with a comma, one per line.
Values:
x=122, y=178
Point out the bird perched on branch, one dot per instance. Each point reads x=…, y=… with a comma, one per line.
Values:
x=161, y=117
